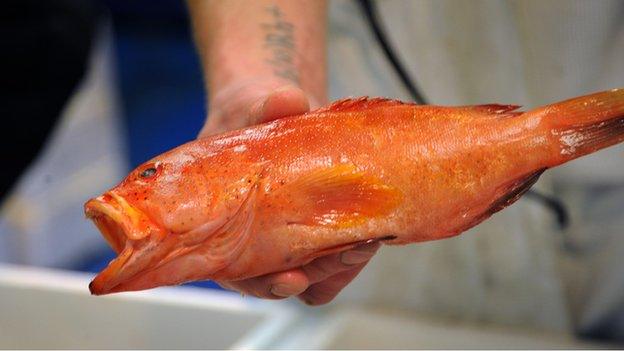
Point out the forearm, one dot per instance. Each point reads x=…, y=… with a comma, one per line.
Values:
x=277, y=41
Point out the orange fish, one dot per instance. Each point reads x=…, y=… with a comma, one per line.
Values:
x=278, y=195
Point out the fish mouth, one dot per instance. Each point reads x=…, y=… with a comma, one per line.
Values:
x=128, y=231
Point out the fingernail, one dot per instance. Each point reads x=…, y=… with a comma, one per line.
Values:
x=352, y=257
x=282, y=290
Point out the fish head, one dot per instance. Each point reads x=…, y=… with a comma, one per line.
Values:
x=169, y=218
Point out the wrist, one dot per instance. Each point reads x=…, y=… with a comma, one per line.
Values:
x=280, y=42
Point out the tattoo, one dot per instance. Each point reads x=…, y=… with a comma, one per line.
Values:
x=279, y=39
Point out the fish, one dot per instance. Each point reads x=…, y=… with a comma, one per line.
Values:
x=278, y=195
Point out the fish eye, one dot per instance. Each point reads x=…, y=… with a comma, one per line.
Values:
x=148, y=172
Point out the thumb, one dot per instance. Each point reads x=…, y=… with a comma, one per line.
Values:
x=281, y=102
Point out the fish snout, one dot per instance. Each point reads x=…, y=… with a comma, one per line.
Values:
x=128, y=230
x=119, y=221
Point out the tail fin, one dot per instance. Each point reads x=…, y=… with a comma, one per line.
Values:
x=585, y=124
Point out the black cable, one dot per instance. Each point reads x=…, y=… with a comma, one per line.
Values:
x=370, y=13
x=555, y=205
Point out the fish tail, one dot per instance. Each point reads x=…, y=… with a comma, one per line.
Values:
x=583, y=125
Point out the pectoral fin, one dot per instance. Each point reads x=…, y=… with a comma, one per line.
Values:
x=340, y=196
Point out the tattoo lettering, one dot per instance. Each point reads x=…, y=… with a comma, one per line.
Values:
x=280, y=41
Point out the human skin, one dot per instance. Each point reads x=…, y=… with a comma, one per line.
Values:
x=264, y=60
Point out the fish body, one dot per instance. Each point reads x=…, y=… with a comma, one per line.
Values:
x=278, y=195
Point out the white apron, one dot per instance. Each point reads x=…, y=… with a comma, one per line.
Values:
x=513, y=269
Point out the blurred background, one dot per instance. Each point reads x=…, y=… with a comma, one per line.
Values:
x=95, y=88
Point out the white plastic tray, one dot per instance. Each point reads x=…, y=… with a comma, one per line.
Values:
x=42, y=308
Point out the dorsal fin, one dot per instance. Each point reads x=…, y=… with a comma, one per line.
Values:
x=365, y=102
x=361, y=103
x=496, y=109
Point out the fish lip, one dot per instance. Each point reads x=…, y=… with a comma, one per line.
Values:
x=109, y=219
x=117, y=213
x=125, y=228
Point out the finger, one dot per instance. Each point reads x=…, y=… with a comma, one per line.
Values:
x=296, y=281
x=327, y=266
x=325, y=291
x=282, y=102
x=271, y=286
x=329, y=277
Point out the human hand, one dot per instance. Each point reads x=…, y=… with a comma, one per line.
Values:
x=319, y=281
x=252, y=102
